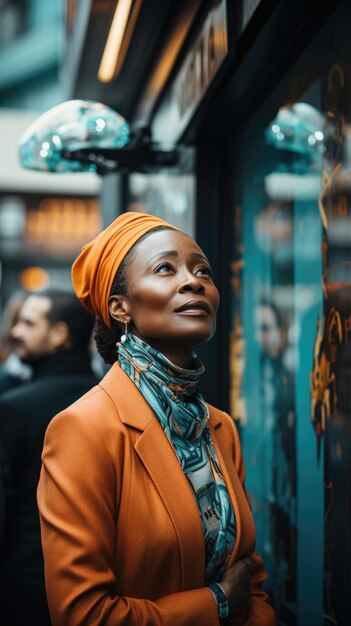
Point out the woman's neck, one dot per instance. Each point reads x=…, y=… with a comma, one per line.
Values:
x=180, y=355
x=180, y=358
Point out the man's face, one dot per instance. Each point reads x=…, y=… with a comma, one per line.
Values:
x=268, y=333
x=32, y=335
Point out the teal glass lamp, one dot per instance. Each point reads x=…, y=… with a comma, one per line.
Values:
x=300, y=132
x=53, y=142
x=87, y=136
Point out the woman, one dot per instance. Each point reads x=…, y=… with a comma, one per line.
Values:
x=144, y=516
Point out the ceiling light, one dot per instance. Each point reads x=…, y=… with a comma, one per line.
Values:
x=110, y=62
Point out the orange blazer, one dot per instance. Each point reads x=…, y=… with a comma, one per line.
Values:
x=122, y=536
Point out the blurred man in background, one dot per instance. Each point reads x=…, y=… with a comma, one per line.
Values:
x=12, y=371
x=52, y=335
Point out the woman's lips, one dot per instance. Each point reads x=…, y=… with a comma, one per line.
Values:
x=194, y=312
x=194, y=307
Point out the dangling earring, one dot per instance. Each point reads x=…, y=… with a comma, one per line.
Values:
x=125, y=334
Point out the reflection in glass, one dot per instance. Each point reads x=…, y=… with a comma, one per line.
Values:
x=70, y=126
x=169, y=194
x=281, y=186
x=330, y=402
x=300, y=129
x=298, y=133
x=294, y=308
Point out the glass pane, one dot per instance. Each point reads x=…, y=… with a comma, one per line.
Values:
x=169, y=194
x=290, y=340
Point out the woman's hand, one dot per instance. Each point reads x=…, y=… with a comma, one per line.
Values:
x=236, y=585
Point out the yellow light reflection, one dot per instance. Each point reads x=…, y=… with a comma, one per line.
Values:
x=109, y=62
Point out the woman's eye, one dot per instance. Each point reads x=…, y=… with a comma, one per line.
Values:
x=163, y=268
x=204, y=271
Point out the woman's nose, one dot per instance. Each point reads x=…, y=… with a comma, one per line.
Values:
x=193, y=284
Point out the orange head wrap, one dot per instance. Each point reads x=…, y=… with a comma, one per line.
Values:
x=94, y=270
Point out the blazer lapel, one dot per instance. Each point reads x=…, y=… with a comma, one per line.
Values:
x=161, y=463
x=164, y=468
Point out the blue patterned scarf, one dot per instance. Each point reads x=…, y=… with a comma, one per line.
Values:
x=172, y=394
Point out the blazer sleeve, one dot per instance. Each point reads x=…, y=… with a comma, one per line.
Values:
x=260, y=612
x=76, y=498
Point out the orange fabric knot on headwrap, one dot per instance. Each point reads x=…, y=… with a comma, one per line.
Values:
x=94, y=270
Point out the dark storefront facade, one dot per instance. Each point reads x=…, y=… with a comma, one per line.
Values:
x=258, y=100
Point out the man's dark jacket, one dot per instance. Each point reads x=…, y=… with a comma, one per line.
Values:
x=25, y=413
x=8, y=381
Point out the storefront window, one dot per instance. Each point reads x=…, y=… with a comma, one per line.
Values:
x=168, y=194
x=290, y=337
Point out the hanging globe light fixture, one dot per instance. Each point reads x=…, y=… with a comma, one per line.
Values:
x=83, y=135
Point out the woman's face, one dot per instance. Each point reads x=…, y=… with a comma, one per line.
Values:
x=172, y=302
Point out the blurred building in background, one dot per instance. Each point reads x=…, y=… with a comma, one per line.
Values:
x=256, y=97
x=44, y=220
